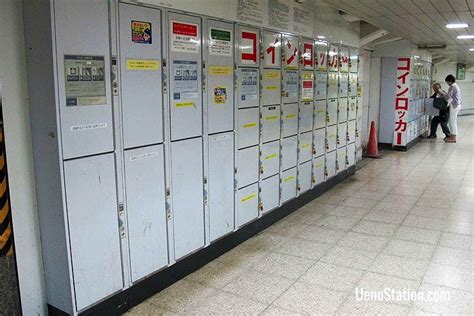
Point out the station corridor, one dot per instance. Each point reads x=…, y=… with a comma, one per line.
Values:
x=404, y=222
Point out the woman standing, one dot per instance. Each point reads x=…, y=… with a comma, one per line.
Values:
x=453, y=94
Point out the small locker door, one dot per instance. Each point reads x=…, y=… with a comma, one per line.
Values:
x=351, y=152
x=288, y=185
x=304, y=177
x=271, y=48
x=351, y=131
x=221, y=185
x=270, y=123
x=352, y=84
x=307, y=54
x=271, y=86
x=331, y=138
x=248, y=92
x=330, y=164
x=247, y=168
x=319, y=142
x=342, y=110
x=305, y=147
x=93, y=227
x=140, y=76
x=332, y=112
x=270, y=193
x=185, y=76
x=320, y=114
x=343, y=59
x=359, y=108
x=318, y=170
x=332, y=85
x=341, y=135
x=306, y=117
x=341, y=159
x=289, y=117
x=343, y=85
x=352, y=108
x=289, y=151
x=333, y=59
x=187, y=196
x=247, y=204
x=220, y=76
x=321, y=85
x=354, y=60
x=322, y=56
x=307, y=86
x=146, y=211
x=248, y=48
x=290, y=52
x=248, y=127
x=290, y=86
x=270, y=159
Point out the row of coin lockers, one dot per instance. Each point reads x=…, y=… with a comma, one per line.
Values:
x=215, y=124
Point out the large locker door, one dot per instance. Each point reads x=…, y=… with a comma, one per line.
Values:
x=289, y=118
x=333, y=59
x=304, y=177
x=305, y=147
x=354, y=60
x=270, y=193
x=248, y=127
x=318, y=170
x=289, y=151
x=221, y=185
x=270, y=159
x=247, y=204
x=93, y=227
x=352, y=108
x=332, y=112
x=332, y=85
x=271, y=47
x=351, y=152
x=271, y=86
x=320, y=114
x=248, y=48
x=306, y=117
x=351, y=131
x=187, y=196
x=341, y=135
x=142, y=113
x=343, y=59
x=321, y=56
x=330, y=164
x=290, y=86
x=146, y=210
x=290, y=52
x=248, y=164
x=270, y=123
x=341, y=159
x=352, y=84
x=248, y=92
x=220, y=76
x=307, y=54
x=319, y=140
x=321, y=86
x=342, y=110
x=185, y=76
x=331, y=138
x=307, y=86
x=343, y=85
x=288, y=185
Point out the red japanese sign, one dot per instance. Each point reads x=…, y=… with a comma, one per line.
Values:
x=402, y=99
x=249, y=47
x=184, y=29
x=308, y=59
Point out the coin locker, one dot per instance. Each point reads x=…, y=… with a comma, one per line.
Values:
x=306, y=117
x=333, y=58
x=289, y=118
x=320, y=114
x=318, y=170
x=248, y=47
x=248, y=128
x=247, y=166
x=319, y=137
x=321, y=79
x=307, y=86
x=307, y=54
x=289, y=152
x=352, y=108
x=270, y=123
x=290, y=86
x=304, y=176
x=247, y=204
x=341, y=159
x=353, y=84
x=321, y=56
x=290, y=52
x=271, y=86
x=248, y=92
x=288, y=185
x=342, y=110
x=351, y=131
x=351, y=152
x=305, y=147
x=271, y=47
x=332, y=112
x=269, y=159
x=343, y=59
x=331, y=138
x=343, y=85
x=354, y=60
x=330, y=164
x=341, y=135
x=333, y=85
x=270, y=193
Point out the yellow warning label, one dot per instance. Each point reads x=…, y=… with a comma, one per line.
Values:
x=250, y=125
x=184, y=104
x=220, y=70
x=319, y=111
x=318, y=165
x=270, y=156
x=307, y=76
x=272, y=75
x=292, y=67
x=273, y=117
x=291, y=116
x=288, y=179
x=143, y=64
x=359, y=90
x=332, y=136
x=271, y=88
x=305, y=146
x=249, y=197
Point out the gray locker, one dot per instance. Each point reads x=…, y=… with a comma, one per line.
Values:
x=142, y=113
x=332, y=111
x=331, y=138
x=270, y=123
x=330, y=164
x=93, y=227
x=307, y=86
x=269, y=159
x=185, y=76
x=332, y=85
x=306, y=117
x=304, y=176
x=333, y=58
x=248, y=165
x=247, y=204
x=321, y=85
x=290, y=52
x=221, y=185
x=248, y=47
x=248, y=92
x=322, y=56
x=271, y=86
x=344, y=59
x=271, y=47
x=352, y=108
x=351, y=131
x=290, y=86
x=343, y=85
x=307, y=54
x=351, y=153
x=220, y=76
x=341, y=134
x=146, y=210
x=319, y=141
x=341, y=159
x=187, y=196
x=342, y=110
x=289, y=118
x=248, y=128
x=320, y=114
x=318, y=170
x=289, y=152
x=353, y=84
x=288, y=185
x=270, y=193
x=354, y=60
x=305, y=147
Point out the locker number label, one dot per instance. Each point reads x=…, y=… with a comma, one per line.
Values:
x=184, y=37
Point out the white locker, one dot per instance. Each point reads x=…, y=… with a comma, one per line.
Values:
x=307, y=54
x=341, y=159
x=289, y=152
x=269, y=159
x=353, y=84
x=354, y=60
x=248, y=128
x=351, y=153
x=321, y=56
x=306, y=117
x=342, y=110
x=270, y=123
x=248, y=92
x=332, y=112
x=288, y=185
x=270, y=193
x=307, y=86
x=304, y=176
x=290, y=86
x=248, y=47
x=351, y=131
x=319, y=140
x=333, y=58
x=185, y=76
x=333, y=85
x=221, y=185
x=271, y=48
x=318, y=170
x=321, y=85
x=331, y=138
x=359, y=108
x=146, y=210
x=271, y=86
x=289, y=118
x=320, y=114
x=352, y=108
x=305, y=147
x=341, y=135
x=330, y=164
x=343, y=85
x=290, y=52
x=343, y=59
x=247, y=166
x=247, y=204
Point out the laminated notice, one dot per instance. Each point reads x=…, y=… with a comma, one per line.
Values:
x=248, y=197
x=272, y=156
x=287, y=179
x=272, y=75
x=220, y=43
x=248, y=125
x=184, y=37
x=220, y=70
x=249, y=86
x=185, y=79
x=184, y=104
x=143, y=64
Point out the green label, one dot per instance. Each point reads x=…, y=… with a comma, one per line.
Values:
x=220, y=35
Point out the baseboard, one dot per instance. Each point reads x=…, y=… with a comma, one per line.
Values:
x=407, y=147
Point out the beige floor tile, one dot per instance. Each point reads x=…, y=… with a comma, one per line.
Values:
x=285, y=228
x=324, y=235
x=337, y=222
x=385, y=217
x=363, y=241
x=456, y=302
x=242, y=256
x=457, y=278
x=303, y=248
x=455, y=257
x=435, y=212
x=273, y=310
x=223, y=303
x=418, y=234
x=265, y=241
x=355, y=201
x=459, y=241
x=348, y=257
x=354, y=306
x=374, y=228
x=287, y=266
x=401, y=199
x=424, y=222
x=410, y=249
x=465, y=228
x=216, y=274
x=406, y=268
x=148, y=309
x=333, y=277
x=346, y=211
x=393, y=207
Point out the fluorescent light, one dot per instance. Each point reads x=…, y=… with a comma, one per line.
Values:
x=321, y=37
x=471, y=49
x=456, y=25
x=465, y=36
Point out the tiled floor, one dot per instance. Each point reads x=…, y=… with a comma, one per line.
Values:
x=403, y=222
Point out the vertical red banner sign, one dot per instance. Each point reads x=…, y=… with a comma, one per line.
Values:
x=402, y=99
x=308, y=59
x=253, y=38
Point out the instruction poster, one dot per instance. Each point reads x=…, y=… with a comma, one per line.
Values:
x=85, y=81
x=249, y=86
x=184, y=37
x=221, y=42
x=307, y=90
x=291, y=84
x=141, y=32
x=185, y=79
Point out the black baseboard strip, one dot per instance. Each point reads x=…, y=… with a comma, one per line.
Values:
x=405, y=148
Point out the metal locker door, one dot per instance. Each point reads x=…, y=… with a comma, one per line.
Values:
x=270, y=193
x=319, y=142
x=140, y=76
x=271, y=47
x=289, y=150
x=248, y=127
x=320, y=114
x=341, y=135
x=187, y=196
x=248, y=92
x=330, y=169
x=332, y=85
x=341, y=159
x=342, y=110
x=322, y=55
x=93, y=227
x=247, y=204
x=352, y=84
x=331, y=138
x=185, y=76
x=307, y=86
x=332, y=112
x=306, y=117
x=307, y=54
x=290, y=86
x=271, y=86
x=221, y=185
x=354, y=60
x=321, y=85
x=343, y=59
x=146, y=210
x=351, y=152
x=270, y=159
x=220, y=76
x=305, y=147
x=304, y=177
x=359, y=108
x=289, y=118
x=343, y=85
x=352, y=108
x=248, y=48
x=248, y=164
x=333, y=59
x=288, y=185
x=318, y=170
x=351, y=131
x=290, y=52
x=270, y=123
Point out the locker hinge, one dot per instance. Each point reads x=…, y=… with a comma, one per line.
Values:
x=168, y=192
x=121, y=220
x=165, y=77
x=115, y=85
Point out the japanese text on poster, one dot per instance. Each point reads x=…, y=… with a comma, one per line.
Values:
x=141, y=32
x=184, y=37
x=249, y=84
x=291, y=84
x=185, y=79
x=220, y=43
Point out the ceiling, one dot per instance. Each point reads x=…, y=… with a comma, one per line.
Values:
x=420, y=21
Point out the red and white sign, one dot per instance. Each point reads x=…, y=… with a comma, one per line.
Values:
x=308, y=56
x=333, y=60
x=307, y=90
x=184, y=37
x=344, y=60
x=402, y=102
x=322, y=59
x=272, y=49
x=290, y=49
x=248, y=47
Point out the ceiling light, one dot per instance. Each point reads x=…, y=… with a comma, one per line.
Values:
x=321, y=37
x=456, y=25
x=471, y=49
x=465, y=36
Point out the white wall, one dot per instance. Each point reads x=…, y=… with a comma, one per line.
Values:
x=19, y=155
x=364, y=81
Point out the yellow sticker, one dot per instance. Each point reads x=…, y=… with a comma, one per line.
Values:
x=319, y=165
x=319, y=111
x=184, y=104
x=271, y=88
x=305, y=146
x=249, y=197
x=273, y=117
x=220, y=95
x=272, y=75
x=359, y=90
x=250, y=125
x=220, y=70
x=307, y=76
x=291, y=116
x=143, y=64
x=288, y=178
x=271, y=157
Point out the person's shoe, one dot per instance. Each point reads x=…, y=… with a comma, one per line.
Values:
x=432, y=136
x=446, y=138
x=451, y=139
